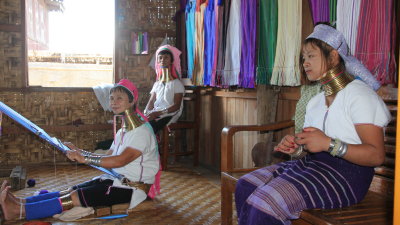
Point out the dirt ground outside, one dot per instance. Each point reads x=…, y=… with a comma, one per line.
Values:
x=48, y=74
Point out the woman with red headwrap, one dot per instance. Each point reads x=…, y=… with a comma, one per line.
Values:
x=165, y=103
x=133, y=155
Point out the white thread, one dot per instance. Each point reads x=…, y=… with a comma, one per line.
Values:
x=55, y=165
x=233, y=46
x=348, y=13
x=286, y=70
x=20, y=209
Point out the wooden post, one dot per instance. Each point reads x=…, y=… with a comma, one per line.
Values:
x=396, y=208
x=267, y=101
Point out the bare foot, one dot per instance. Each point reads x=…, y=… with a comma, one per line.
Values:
x=4, y=185
x=9, y=206
x=15, y=198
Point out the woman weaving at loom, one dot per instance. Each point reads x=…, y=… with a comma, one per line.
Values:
x=343, y=135
x=133, y=154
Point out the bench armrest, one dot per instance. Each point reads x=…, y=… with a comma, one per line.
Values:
x=227, y=140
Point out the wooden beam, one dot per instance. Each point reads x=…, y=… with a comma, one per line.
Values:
x=230, y=94
x=46, y=89
x=10, y=28
x=59, y=129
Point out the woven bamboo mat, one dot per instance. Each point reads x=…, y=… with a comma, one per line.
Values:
x=186, y=197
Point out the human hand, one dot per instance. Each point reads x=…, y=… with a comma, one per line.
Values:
x=313, y=139
x=154, y=115
x=287, y=145
x=146, y=112
x=75, y=155
x=70, y=145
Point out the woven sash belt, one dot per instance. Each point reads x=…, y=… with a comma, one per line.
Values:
x=136, y=184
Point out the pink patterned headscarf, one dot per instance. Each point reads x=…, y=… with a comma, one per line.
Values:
x=129, y=86
x=176, y=65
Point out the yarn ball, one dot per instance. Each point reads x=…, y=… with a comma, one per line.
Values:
x=43, y=192
x=31, y=182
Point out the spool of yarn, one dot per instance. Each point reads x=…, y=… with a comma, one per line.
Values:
x=43, y=192
x=31, y=182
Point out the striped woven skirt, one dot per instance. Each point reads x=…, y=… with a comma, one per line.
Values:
x=278, y=193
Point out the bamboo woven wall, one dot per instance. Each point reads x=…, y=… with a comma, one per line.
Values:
x=152, y=16
x=53, y=108
x=11, y=45
x=49, y=109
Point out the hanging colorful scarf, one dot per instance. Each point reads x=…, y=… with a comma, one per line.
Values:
x=223, y=20
x=217, y=7
x=209, y=41
x=319, y=10
x=267, y=27
x=190, y=35
x=332, y=12
x=145, y=47
x=198, y=70
x=286, y=68
x=376, y=39
x=347, y=21
x=248, y=50
x=233, y=47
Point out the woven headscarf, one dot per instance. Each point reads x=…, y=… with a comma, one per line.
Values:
x=176, y=64
x=336, y=40
x=131, y=88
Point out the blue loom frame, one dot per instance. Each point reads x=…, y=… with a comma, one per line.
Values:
x=45, y=136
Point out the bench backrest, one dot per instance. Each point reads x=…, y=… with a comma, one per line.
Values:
x=384, y=174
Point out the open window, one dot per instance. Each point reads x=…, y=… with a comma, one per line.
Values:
x=70, y=43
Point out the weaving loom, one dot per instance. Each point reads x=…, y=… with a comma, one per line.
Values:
x=43, y=135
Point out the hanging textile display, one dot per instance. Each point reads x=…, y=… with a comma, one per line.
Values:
x=209, y=41
x=332, y=12
x=139, y=43
x=348, y=13
x=217, y=10
x=286, y=67
x=319, y=10
x=376, y=39
x=267, y=28
x=248, y=15
x=223, y=20
x=190, y=35
x=198, y=70
x=233, y=46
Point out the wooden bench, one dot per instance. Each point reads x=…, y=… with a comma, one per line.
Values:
x=376, y=208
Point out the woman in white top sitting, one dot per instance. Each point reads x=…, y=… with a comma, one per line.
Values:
x=165, y=103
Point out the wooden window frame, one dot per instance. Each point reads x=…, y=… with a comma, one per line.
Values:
x=23, y=29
